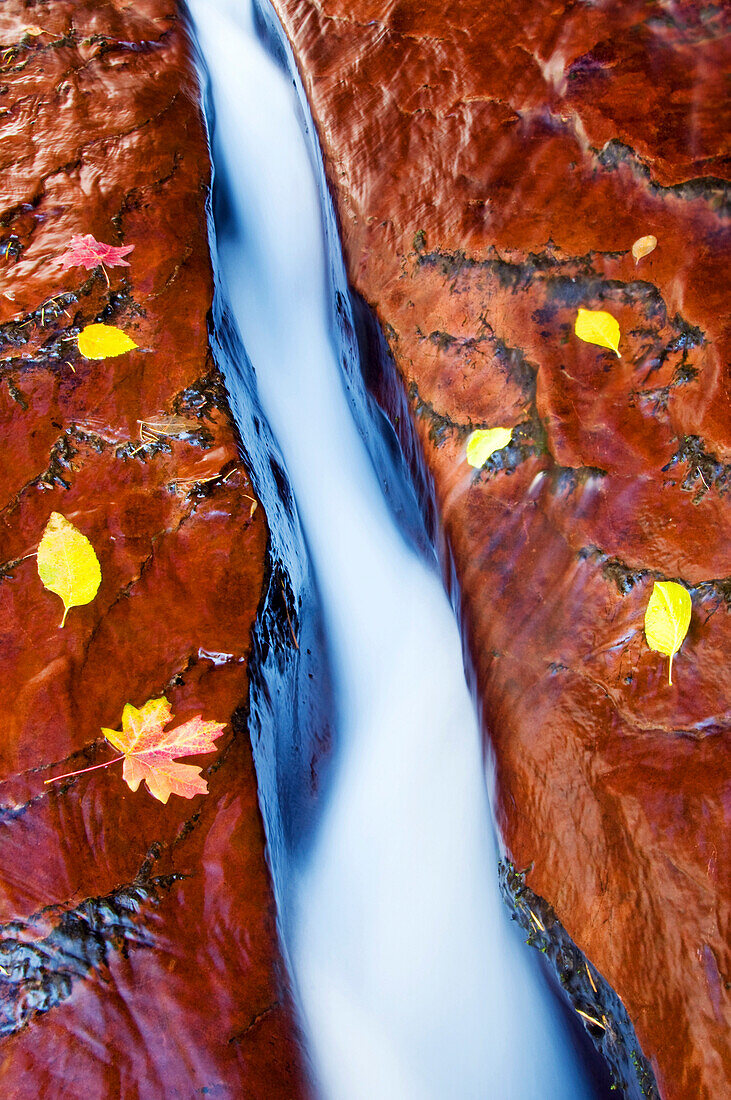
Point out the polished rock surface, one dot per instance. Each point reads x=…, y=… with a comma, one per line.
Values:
x=139, y=953
x=491, y=166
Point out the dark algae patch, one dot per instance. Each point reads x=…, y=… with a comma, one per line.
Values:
x=599, y=1007
x=704, y=470
x=38, y=974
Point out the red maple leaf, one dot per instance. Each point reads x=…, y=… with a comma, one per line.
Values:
x=85, y=251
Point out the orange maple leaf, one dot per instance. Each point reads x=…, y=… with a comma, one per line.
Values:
x=148, y=750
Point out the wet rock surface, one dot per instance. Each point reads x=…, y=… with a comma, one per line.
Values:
x=491, y=167
x=138, y=945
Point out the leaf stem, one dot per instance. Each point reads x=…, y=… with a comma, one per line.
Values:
x=670, y=670
x=81, y=771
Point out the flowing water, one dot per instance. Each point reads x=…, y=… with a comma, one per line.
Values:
x=411, y=981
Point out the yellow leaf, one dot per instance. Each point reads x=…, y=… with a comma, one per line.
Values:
x=67, y=564
x=484, y=442
x=667, y=619
x=643, y=246
x=104, y=342
x=595, y=326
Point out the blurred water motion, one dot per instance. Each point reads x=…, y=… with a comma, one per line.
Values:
x=411, y=980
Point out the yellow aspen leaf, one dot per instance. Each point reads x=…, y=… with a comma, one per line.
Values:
x=484, y=442
x=104, y=342
x=643, y=246
x=34, y=31
x=667, y=619
x=67, y=564
x=596, y=326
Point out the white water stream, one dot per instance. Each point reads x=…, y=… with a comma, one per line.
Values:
x=410, y=979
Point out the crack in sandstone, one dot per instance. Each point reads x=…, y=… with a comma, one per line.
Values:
x=80, y=150
x=60, y=458
x=87, y=757
x=712, y=190
x=52, y=308
x=625, y=576
x=40, y=192
x=711, y=726
x=528, y=439
x=114, y=305
x=239, y=1035
x=207, y=389
x=383, y=28
x=62, y=455
x=38, y=972
x=602, y=1012
x=702, y=465
x=567, y=289
x=10, y=812
x=144, y=565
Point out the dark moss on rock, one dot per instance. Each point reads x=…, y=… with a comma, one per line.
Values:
x=592, y=998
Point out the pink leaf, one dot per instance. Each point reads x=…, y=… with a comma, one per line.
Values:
x=85, y=251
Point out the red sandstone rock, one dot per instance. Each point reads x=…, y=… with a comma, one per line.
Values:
x=138, y=946
x=492, y=165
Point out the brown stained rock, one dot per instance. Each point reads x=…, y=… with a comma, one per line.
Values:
x=492, y=165
x=138, y=946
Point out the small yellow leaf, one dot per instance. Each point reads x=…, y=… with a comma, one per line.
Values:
x=667, y=619
x=643, y=246
x=34, y=31
x=104, y=342
x=484, y=442
x=595, y=326
x=67, y=564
